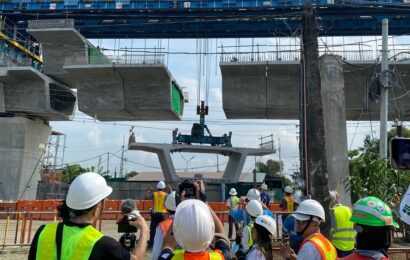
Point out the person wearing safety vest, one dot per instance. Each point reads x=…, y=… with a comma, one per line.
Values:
x=373, y=222
x=158, y=212
x=194, y=229
x=286, y=203
x=232, y=204
x=263, y=232
x=289, y=226
x=163, y=226
x=254, y=210
x=315, y=246
x=342, y=231
x=265, y=196
x=75, y=237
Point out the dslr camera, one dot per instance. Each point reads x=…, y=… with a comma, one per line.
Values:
x=128, y=239
x=188, y=187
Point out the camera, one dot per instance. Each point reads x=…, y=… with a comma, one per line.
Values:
x=128, y=239
x=400, y=153
x=188, y=187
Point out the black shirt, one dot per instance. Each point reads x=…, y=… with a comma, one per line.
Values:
x=221, y=245
x=104, y=248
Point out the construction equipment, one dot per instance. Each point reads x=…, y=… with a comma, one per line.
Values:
x=198, y=132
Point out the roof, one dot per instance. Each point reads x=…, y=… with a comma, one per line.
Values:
x=159, y=176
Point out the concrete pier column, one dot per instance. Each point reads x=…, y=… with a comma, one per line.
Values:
x=22, y=142
x=334, y=112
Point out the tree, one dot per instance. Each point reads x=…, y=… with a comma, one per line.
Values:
x=271, y=168
x=70, y=172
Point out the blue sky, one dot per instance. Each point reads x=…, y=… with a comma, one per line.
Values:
x=87, y=138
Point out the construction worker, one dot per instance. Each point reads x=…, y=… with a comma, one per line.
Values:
x=253, y=194
x=81, y=240
x=265, y=196
x=254, y=209
x=342, y=231
x=193, y=229
x=263, y=232
x=158, y=212
x=315, y=246
x=373, y=222
x=286, y=203
x=232, y=204
x=163, y=226
x=289, y=226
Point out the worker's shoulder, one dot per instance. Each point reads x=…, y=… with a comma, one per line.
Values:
x=109, y=248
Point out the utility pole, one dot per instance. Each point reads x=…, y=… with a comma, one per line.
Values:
x=99, y=163
x=122, y=158
x=217, y=163
x=280, y=164
x=108, y=163
x=385, y=89
x=315, y=146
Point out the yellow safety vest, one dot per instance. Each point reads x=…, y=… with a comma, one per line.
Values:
x=342, y=231
x=289, y=203
x=77, y=243
x=182, y=255
x=233, y=201
x=326, y=249
x=249, y=228
x=159, y=202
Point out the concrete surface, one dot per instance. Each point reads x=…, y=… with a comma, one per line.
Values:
x=333, y=101
x=22, y=142
x=233, y=170
x=272, y=90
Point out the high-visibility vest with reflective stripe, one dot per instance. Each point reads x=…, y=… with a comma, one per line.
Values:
x=77, y=243
x=159, y=202
x=164, y=225
x=326, y=249
x=249, y=228
x=182, y=255
x=289, y=203
x=342, y=231
x=233, y=202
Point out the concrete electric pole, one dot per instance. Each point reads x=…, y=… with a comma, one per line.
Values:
x=385, y=89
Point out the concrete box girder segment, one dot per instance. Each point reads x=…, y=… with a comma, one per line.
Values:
x=233, y=170
x=28, y=91
x=115, y=92
x=272, y=90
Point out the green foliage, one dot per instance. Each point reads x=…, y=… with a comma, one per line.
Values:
x=272, y=170
x=70, y=172
x=371, y=175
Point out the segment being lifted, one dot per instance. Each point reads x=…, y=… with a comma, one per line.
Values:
x=233, y=170
x=272, y=89
x=129, y=88
x=30, y=92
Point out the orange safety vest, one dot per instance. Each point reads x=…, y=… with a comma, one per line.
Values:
x=182, y=255
x=164, y=225
x=326, y=249
x=289, y=203
x=159, y=202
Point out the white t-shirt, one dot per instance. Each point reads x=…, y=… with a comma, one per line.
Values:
x=255, y=254
x=309, y=252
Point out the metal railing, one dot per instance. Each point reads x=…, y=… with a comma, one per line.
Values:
x=50, y=24
x=116, y=59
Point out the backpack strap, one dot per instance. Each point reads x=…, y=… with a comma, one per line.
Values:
x=59, y=239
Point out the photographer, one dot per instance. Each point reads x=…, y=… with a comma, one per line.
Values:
x=84, y=204
x=195, y=228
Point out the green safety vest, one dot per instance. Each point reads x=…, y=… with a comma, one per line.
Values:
x=249, y=228
x=77, y=243
x=342, y=231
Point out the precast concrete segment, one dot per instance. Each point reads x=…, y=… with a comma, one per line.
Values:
x=58, y=45
x=272, y=90
x=112, y=92
x=233, y=170
x=22, y=143
x=30, y=92
x=333, y=101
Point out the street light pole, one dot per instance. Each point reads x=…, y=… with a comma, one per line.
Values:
x=187, y=161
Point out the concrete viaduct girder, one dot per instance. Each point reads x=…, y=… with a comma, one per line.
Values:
x=25, y=90
x=277, y=95
x=233, y=170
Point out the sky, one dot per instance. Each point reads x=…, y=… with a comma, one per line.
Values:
x=88, y=140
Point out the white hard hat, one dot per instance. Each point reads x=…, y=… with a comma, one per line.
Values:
x=267, y=222
x=170, y=202
x=232, y=192
x=87, y=190
x=194, y=227
x=308, y=208
x=254, y=208
x=264, y=186
x=253, y=194
x=297, y=197
x=288, y=189
x=161, y=185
